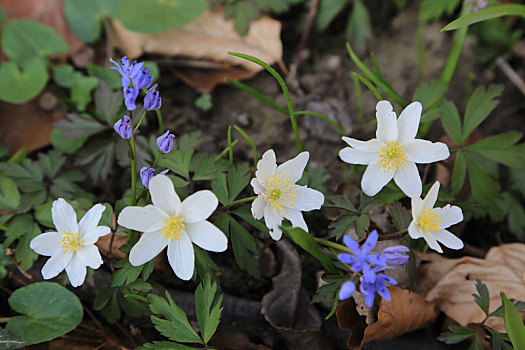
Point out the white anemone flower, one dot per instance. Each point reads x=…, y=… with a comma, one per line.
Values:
x=73, y=247
x=431, y=223
x=168, y=222
x=394, y=152
x=279, y=197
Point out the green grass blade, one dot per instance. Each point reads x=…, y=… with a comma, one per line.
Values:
x=257, y=95
x=485, y=14
x=250, y=141
x=369, y=85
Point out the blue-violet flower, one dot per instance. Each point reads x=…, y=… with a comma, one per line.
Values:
x=130, y=95
x=141, y=78
x=396, y=255
x=147, y=173
x=165, y=142
x=369, y=288
x=347, y=290
x=127, y=70
x=152, y=100
x=123, y=127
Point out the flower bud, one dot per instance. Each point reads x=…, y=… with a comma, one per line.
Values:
x=146, y=174
x=142, y=79
x=130, y=95
x=347, y=290
x=396, y=255
x=123, y=127
x=152, y=100
x=165, y=142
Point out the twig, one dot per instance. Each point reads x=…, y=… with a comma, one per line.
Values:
x=22, y=271
x=93, y=318
x=511, y=74
x=306, y=33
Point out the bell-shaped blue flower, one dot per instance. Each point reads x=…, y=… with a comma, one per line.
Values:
x=146, y=174
x=165, y=142
x=152, y=100
x=130, y=96
x=141, y=78
x=123, y=127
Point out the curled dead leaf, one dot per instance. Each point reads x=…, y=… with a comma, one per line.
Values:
x=503, y=269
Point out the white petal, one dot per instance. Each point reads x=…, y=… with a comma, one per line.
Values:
x=448, y=239
x=296, y=218
x=449, y=215
x=92, y=236
x=431, y=198
x=373, y=145
x=207, y=236
x=354, y=156
x=181, y=257
x=149, y=246
x=432, y=242
x=47, y=244
x=306, y=199
x=424, y=151
x=386, y=122
x=408, y=180
x=143, y=219
x=294, y=167
x=273, y=220
x=266, y=167
x=413, y=230
x=417, y=207
x=89, y=221
x=258, y=206
x=408, y=121
x=90, y=256
x=56, y=264
x=163, y=194
x=374, y=179
x=76, y=271
x=257, y=187
x=64, y=216
x=199, y=206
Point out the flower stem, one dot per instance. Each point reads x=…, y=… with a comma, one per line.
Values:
x=331, y=244
x=240, y=201
x=393, y=235
x=5, y=319
x=160, y=121
x=133, y=171
x=8, y=230
x=140, y=121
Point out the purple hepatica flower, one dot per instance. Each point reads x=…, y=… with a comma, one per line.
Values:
x=123, y=127
x=147, y=173
x=347, y=290
x=396, y=255
x=369, y=288
x=361, y=257
x=141, y=78
x=152, y=99
x=165, y=142
x=127, y=70
x=130, y=95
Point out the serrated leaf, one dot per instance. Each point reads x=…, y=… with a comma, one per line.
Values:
x=457, y=335
x=81, y=91
x=207, y=316
x=362, y=224
x=9, y=194
x=220, y=188
x=126, y=273
x=484, y=188
x=244, y=248
x=78, y=126
x=400, y=215
x=458, y=173
x=501, y=149
x=98, y=157
x=245, y=214
x=482, y=298
x=451, y=121
x=339, y=202
x=513, y=323
x=341, y=225
x=479, y=106
x=515, y=214
x=107, y=102
x=21, y=84
x=430, y=92
x=66, y=145
x=27, y=229
x=238, y=179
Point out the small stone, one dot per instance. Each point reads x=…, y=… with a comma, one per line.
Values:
x=47, y=101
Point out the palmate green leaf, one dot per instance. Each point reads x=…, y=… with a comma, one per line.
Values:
x=401, y=216
x=153, y=16
x=174, y=324
x=515, y=214
x=81, y=91
x=238, y=178
x=9, y=194
x=482, y=298
x=9, y=341
x=430, y=9
x=499, y=312
x=27, y=229
x=501, y=148
x=479, y=106
x=107, y=101
x=362, y=224
x=513, y=323
x=84, y=17
x=456, y=335
x=50, y=163
x=220, y=188
x=66, y=145
x=207, y=316
x=339, y=202
x=341, y=225
x=21, y=84
x=459, y=173
x=244, y=248
x=107, y=303
x=429, y=93
x=49, y=310
x=24, y=39
x=484, y=188
x=451, y=121
x=127, y=273
x=304, y=240
x=78, y=126
x=203, y=263
x=328, y=10
x=245, y=213
x=359, y=28
x=165, y=345
x=500, y=341
x=485, y=14
x=98, y=158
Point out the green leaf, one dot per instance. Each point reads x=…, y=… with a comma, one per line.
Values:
x=457, y=335
x=339, y=202
x=43, y=215
x=431, y=9
x=109, y=76
x=9, y=194
x=499, y=312
x=484, y=188
x=9, y=341
x=21, y=85
x=107, y=303
x=244, y=248
x=359, y=29
x=81, y=91
x=154, y=16
x=400, y=216
x=107, y=102
x=126, y=273
x=304, y=240
x=429, y=93
x=482, y=298
x=203, y=263
x=25, y=227
x=485, y=14
x=66, y=145
x=238, y=179
x=513, y=323
x=458, y=173
x=24, y=39
x=165, y=345
x=220, y=188
x=515, y=215
x=476, y=345
x=49, y=310
x=204, y=102
x=501, y=149
x=328, y=10
x=78, y=126
x=479, y=106
x=341, y=225
x=174, y=324
x=362, y=224
x=451, y=121
x=207, y=316
x=84, y=17
x=246, y=214
x=98, y=157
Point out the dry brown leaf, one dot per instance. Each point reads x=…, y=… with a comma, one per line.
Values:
x=206, y=41
x=503, y=269
x=405, y=312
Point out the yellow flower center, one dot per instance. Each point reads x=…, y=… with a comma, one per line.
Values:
x=429, y=220
x=392, y=157
x=173, y=228
x=70, y=242
x=279, y=192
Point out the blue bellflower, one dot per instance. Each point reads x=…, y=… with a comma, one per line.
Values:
x=123, y=127
x=152, y=100
x=141, y=78
x=146, y=174
x=127, y=70
x=165, y=142
x=130, y=96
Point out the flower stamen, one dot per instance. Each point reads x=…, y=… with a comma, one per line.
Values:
x=70, y=242
x=429, y=221
x=392, y=157
x=279, y=192
x=173, y=228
